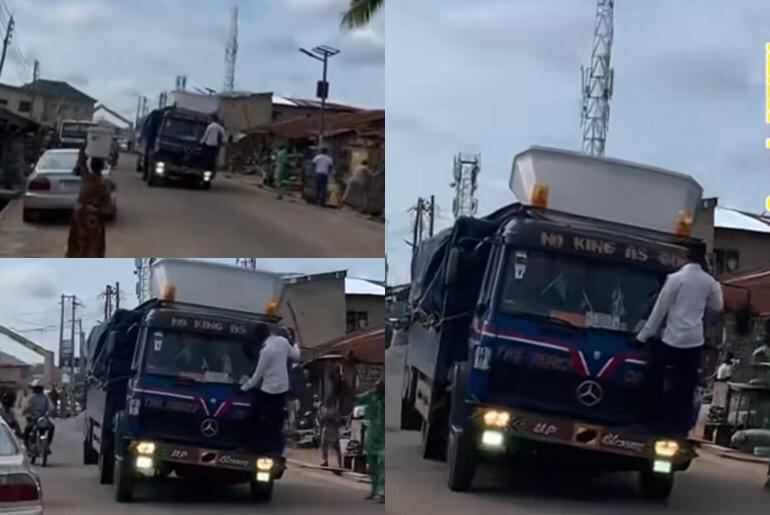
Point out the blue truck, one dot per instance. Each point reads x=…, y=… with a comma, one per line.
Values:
x=164, y=396
x=522, y=341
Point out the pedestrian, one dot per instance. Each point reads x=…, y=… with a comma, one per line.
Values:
x=281, y=171
x=356, y=189
x=682, y=302
x=270, y=382
x=330, y=431
x=721, y=379
x=323, y=170
x=374, y=443
x=87, y=229
x=212, y=140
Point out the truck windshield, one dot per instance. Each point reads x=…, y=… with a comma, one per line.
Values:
x=183, y=129
x=75, y=130
x=585, y=293
x=198, y=357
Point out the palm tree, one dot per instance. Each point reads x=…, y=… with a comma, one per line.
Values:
x=360, y=12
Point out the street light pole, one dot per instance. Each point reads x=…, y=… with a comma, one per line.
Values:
x=322, y=53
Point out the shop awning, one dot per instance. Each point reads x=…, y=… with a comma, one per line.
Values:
x=367, y=346
x=755, y=281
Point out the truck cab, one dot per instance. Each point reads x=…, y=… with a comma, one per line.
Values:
x=169, y=147
x=164, y=396
x=73, y=133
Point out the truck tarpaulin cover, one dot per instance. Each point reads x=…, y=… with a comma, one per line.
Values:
x=429, y=264
x=757, y=281
x=97, y=345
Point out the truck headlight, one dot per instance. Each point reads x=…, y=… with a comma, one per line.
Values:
x=145, y=447
x=495, y=418
x=492, y=439
x=143, y=462
x=666, y=448
x=207, y=176
x=264, y=464
x=160, y=167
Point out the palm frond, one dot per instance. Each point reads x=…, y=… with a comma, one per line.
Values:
x=360, y=12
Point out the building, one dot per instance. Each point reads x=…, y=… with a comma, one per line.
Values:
x=364, y=305
x=13, y=371
x=294, y=108
x=316, y=304
x=47, y=101
x=741, y=240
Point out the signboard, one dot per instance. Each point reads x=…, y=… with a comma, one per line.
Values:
x=66, y=353
x=367, y=376
x=203, y=324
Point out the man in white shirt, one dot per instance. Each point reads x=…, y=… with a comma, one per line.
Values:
x=270, y=380
x=323, y=168
x=682, y=302
x=213, y=138
x=723, y=376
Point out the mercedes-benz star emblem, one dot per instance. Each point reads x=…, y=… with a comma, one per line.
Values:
x=209, y=427
x=589, y=393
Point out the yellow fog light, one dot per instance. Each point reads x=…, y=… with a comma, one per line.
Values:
x=666, y=448
x=263, y=477
x=143, y=462
x=492, y=438
x=271, y=308
x=496, y=418
x=264, y=464
x=145, y=447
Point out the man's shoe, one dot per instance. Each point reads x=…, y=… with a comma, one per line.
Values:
x=369, y=497
x=325, y=464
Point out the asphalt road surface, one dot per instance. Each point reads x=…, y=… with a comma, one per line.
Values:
x=713, y=485
x=231, y=219
x=70, y=488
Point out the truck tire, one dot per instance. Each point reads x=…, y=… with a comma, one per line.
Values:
x=90, y=456
x=261, y=492
x=124, y=478
x=106, y=460
x=411, y=419
x=461, y=460
x=458, y=411
x=654, y=486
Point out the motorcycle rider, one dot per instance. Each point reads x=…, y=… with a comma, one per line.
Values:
x=38, y=405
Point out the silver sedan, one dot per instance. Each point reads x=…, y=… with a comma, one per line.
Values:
x=53, y=186
x=20, y=489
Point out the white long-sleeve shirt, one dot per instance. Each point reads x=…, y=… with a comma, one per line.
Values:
x=214, y=135
x=682, y=303
x=272, y=372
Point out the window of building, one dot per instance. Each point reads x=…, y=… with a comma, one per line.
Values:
x=25, y=106
x=357, y=320
x=726, y=261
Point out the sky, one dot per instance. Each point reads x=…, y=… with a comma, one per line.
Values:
x=115, y=50
x=498, y=76
x=30, y=290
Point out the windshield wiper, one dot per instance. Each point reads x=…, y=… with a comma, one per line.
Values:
x=547, y=318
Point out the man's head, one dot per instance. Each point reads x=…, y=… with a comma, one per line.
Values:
x=697, y=253
x=37, y=386
x=324, y=150
x=729, y=357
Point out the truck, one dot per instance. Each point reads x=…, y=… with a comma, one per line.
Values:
x=521, y=344
x=168, y=147
x=72, y=133
x=164, y=382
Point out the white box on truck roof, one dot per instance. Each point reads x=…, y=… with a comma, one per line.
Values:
x=216, y=285
x=605, y=188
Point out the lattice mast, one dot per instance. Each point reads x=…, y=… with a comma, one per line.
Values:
x=597, y=82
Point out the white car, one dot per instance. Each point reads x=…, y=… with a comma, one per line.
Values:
x=53, y=187
x=20, y=489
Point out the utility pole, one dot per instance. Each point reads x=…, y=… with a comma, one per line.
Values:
x=6, y=42
x=423, y=210
x=67, y=349
x=322, y=53
x=465, y=173
x=109, y=306
x=36, y=71
x=597, y=82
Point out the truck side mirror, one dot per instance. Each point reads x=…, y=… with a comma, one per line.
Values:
x=452, y=266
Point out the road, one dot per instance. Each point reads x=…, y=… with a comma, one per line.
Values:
x=70, y=488
x=713, y=485
x=232, y=219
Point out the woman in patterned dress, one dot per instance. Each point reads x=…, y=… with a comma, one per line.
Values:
x=87, y=234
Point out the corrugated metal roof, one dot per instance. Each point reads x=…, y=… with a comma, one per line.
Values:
x=362, y=287
x=726, y=218
x=337, y=123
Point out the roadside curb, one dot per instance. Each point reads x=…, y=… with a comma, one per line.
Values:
x=360, y=478
x=8, y=196
x=731, y=454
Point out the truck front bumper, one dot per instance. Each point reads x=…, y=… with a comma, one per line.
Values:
x=147, y=454
x=497, y=431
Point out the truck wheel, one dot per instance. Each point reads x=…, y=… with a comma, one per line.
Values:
x=261, y=492
x=458, y=414
x=462, y=461
x=90, y=456
x=654, y=486
x=204, y=185
x=106, y=464
x=410, y=418
x=124, y=478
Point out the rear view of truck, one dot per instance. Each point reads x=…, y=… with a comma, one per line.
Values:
x=523, y=341
x=164, y=383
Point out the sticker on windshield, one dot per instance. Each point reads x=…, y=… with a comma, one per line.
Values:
x=157, y=340
x=519, y=264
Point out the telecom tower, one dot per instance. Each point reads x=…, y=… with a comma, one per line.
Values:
x=231, y=52
x=143, y=277
x=250, y=263
x=597, y=83
x=465, y=173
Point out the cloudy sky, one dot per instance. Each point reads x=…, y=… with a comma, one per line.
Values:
x=116, y=50
x=30, y=290
x=497, y=76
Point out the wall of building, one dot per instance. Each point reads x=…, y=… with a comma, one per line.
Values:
x=69, y=110
x=320, y=308
x=242, y=113
x=283, y=112
x=13, y=374
x=372, y=305
x=742, y=346
x=753, y=247
x=703, y=226
x=12, y=98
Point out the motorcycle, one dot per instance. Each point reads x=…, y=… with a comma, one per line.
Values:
x=39, y=445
